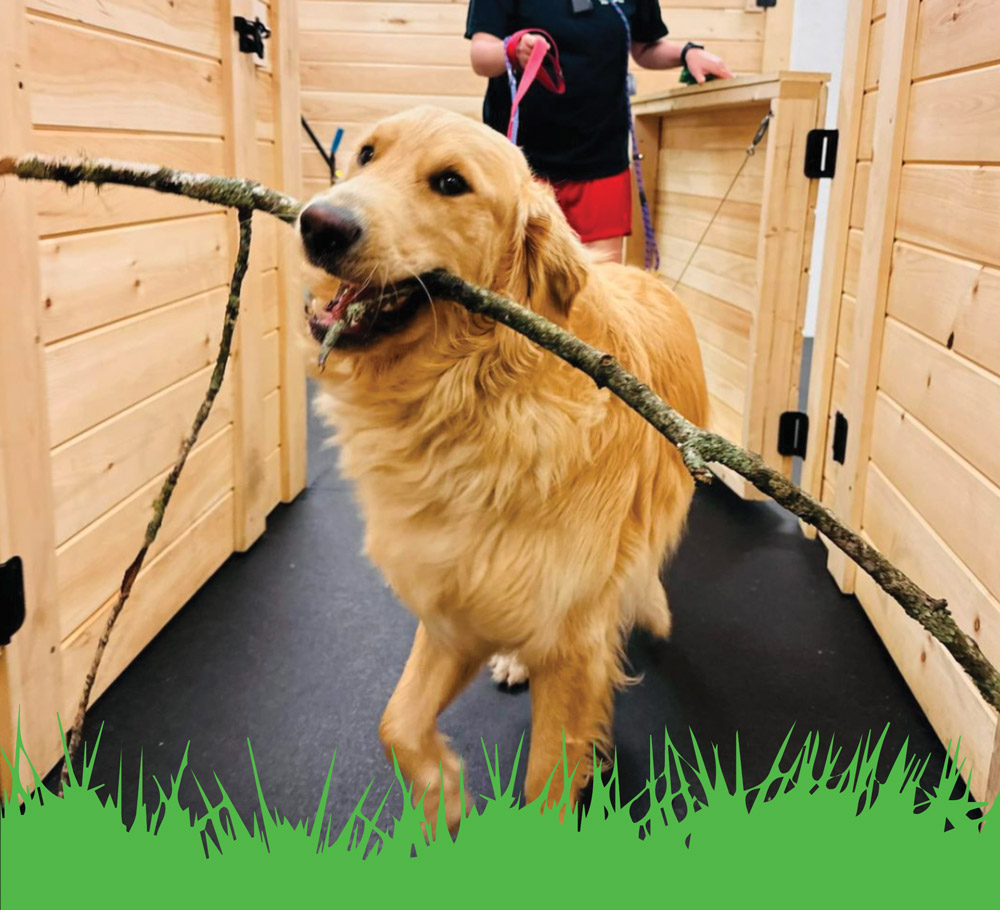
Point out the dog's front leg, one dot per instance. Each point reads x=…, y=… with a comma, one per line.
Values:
x=572, y=694
x=433, y=676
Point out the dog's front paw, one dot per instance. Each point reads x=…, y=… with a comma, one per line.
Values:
x=507, y=670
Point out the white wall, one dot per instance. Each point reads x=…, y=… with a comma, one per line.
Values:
x=818, y=46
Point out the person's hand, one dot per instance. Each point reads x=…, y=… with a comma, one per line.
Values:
x=526, y=45
x=701, y=63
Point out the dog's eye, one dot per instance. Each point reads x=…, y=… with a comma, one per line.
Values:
x=449, y=183
x=366, y=154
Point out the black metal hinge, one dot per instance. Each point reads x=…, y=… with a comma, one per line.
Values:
x=252, y=35
x=839, y=438
x=766, y=4
x=11, y=598
x=821, y=153
x=793, y=433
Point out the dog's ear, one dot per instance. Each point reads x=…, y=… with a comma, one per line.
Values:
x=548, y=262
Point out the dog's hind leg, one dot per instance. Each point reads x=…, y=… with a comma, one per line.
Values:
x=433, y=676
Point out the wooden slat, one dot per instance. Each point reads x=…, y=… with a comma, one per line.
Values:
x=83, y=78
x=956, y=118
x=957, y=501
x=393, y=77
x=719, y=323
x=292, y=364
x=264, y=100
x=383, y=18
x=956, y=209
x=90, y=565
x=243, y=84
x=876, y=257
x=192, y=25
x=772, y=377
x=728, y=276
x=874, y=62
x=162, y=588
x=859, y=201
x=836, y=253
x=95, y=471
x=367, y=107
x=953, y=301
x=777, y=37
x=945, y=392
x=272, y=479
x=725, y=375
x=845, y=326
x=867, y=135
x=153, y=350
x=912, y=545
x=852, y=262
x=953, y=35
x=724, y=420
x=382, y=46
x=710, y=174
x=706, y=130
x=30, y=666
x=734, y=229
x=92, y=279
x=270, y=300
x=270, y=377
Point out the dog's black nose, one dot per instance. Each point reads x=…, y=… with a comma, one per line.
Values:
x=328, y=230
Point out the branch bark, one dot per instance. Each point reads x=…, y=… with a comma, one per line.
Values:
x=698, y=447
x=167, y=490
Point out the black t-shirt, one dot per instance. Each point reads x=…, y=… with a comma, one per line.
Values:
x=582, y=134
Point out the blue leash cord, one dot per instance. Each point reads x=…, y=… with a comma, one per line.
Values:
x=512, y=80
x=652, y=253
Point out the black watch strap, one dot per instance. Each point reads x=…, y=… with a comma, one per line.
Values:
x=687, y=47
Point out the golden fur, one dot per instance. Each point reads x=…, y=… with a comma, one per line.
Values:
x=511, y=504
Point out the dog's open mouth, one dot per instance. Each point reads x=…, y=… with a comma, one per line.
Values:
x=367, y=312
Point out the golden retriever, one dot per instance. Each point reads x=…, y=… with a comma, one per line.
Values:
x=511, y=504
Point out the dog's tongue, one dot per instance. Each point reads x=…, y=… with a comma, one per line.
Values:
x=338, y=306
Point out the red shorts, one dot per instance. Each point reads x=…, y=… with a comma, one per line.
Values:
x=597, y=209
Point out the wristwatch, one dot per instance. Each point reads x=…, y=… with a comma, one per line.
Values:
x=691, y=45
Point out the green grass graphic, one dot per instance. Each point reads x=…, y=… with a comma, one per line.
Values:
x=814, y=832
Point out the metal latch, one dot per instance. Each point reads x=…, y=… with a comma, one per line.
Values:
x=793, y=433
x=11, y=598
x=821, y=153
x=252, y=35
x=839, y=438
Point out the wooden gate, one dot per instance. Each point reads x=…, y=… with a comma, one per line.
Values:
x=740, y=264
x=905, y=388
x=111, y=312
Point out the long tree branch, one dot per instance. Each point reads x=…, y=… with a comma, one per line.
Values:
x=228, y=191
x=698, y=447
x=167, y=490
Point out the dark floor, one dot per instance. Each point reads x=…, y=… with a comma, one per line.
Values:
x=297, y=645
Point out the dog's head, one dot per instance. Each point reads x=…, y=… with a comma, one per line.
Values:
x=427, y=190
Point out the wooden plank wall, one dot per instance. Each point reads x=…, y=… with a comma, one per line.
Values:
x=133, y=286
x=700, y=153
x=361, y=61
x=927, y=478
